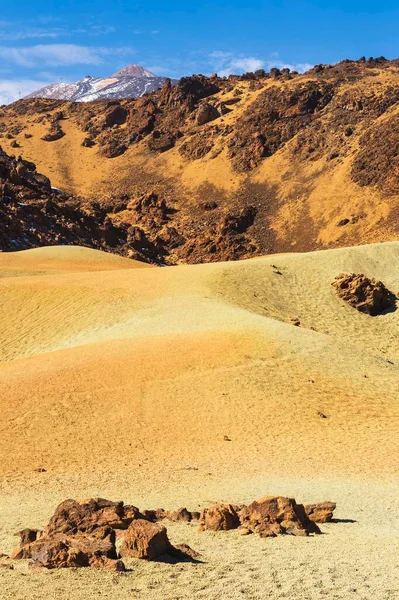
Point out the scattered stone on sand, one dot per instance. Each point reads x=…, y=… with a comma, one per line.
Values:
x=368, y=296
x=321, y=512
x=6, y=562
x=275, y=515
x=54, y=133
x=75, y=550
x=83, y=533
x=144, y=539
x=71, y=516
x=182, y=514
x=219, y=517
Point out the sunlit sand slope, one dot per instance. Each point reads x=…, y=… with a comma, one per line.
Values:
x=123, y=382
x=183, y=356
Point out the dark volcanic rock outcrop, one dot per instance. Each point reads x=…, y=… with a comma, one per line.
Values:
x=273, y=119
x=335, y=124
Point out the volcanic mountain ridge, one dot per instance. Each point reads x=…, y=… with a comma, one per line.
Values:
x=226, y=168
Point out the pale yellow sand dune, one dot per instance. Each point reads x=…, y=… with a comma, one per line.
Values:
x=123, y=382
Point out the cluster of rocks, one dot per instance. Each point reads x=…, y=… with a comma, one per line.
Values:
x=32, y=213
x=276, y=116
x=368, y=296
x=55, y=131
x=268, y=517
x=100, y=533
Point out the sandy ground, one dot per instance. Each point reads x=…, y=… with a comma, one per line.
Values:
x=122, y=383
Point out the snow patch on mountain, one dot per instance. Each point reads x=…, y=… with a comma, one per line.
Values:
x=131, y=82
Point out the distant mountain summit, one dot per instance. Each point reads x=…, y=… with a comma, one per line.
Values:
x=134, y=71
x=131, y=82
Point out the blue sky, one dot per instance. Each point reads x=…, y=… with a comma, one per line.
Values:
x=43, y=41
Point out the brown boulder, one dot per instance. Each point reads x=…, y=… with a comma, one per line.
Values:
x=54, y=133
x=145, y=540
x=368, y=296
x=182, y=514
x=71, y=516
x=206, y=113
x=116, y=116
x=113, y=148
x=87, y=142
x=219, y=517
x=161, y=141
x=27, y=536
x=321, y=512
x=80, y=550
x=275, y=515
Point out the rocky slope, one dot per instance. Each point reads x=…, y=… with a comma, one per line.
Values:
x=32, y=213
x=221, y=169
x=131, y=82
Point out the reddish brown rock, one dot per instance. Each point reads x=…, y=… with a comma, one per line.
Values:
x=54, y=133
x=71, y=516
x=184, y=552
x=87, y=142
x=206, y=113
x=321, y=512
x=27, y=536
x=116, y=116
x=219, y=517
x=182, y=514
x=145, y=540
x=113, y=148
x=275, y=515
x=161, y=141
x=79, y=550
x=368, y=296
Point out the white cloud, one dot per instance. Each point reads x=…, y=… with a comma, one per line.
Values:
x=13, y=89
x=279, y=64
x=102, y=29
x=226, y=63
x=242, y=65
x=30, y=34
x=56, y=55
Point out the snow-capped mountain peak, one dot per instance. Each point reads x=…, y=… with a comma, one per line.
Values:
x=134, y=71
x=130, y=82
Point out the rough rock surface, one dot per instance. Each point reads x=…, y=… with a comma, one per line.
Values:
x=83, y=534
x=367, y=295
x=321, y=512
x=71, y=516
x=144, y=539
x=275, y=515
x=206, y=113
x=182, y=514
x=81, y=550
x=221, y=517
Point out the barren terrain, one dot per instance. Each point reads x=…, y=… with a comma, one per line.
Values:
x=224, y=169
x=122, y=382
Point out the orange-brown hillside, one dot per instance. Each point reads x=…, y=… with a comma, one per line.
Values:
x=228, y=168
